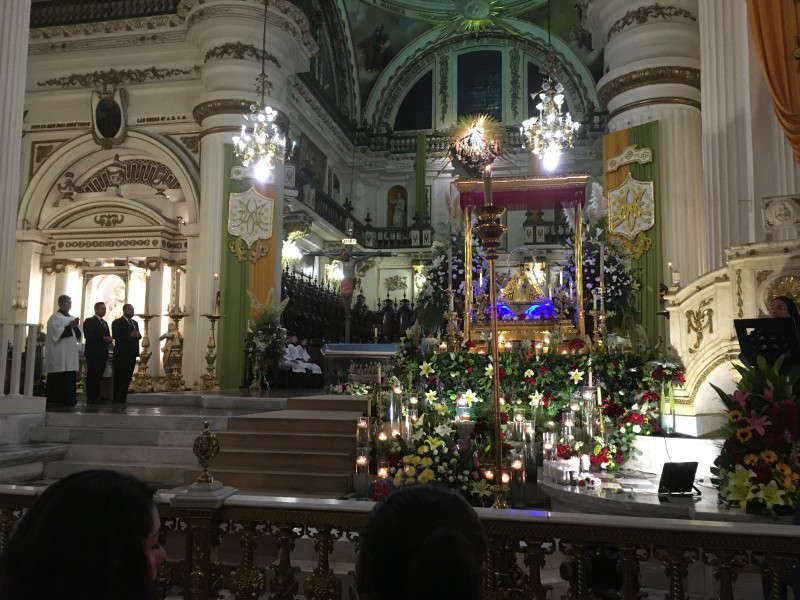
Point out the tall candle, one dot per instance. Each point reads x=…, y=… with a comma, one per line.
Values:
x=594, y=299
x=147, y=292
x=602, y=263
x=561, y=278
x=590, y=377
x=215, y=291
x=487, y=186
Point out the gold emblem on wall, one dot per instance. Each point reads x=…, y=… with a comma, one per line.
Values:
x=631, y=212
x=787, y=285
x=699, y=321
x=250, y=220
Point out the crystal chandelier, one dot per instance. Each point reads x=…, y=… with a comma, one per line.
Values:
x=548, y=134
x=263, y=146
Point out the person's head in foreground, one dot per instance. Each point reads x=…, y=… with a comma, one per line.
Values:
x=93, y=534
x=409, y=532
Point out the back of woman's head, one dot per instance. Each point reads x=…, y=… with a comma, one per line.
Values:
x=422, y=542
x=82, y=538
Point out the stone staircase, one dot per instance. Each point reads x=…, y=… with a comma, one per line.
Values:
x=156, y=448
x=306, y=450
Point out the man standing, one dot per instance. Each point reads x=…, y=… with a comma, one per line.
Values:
x=61, y=354
x=98, y=337
x=125, y=332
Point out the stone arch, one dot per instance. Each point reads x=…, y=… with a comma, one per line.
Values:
x=84, y=151
x=579, y=86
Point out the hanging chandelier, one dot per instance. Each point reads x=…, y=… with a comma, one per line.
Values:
x=263, y=145
x=551, y=132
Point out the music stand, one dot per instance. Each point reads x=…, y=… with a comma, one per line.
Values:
x=770, y=338
x=677, y=479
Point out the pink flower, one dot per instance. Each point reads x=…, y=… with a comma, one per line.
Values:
x=740, y=397
x=767, y=393
x=754, y=422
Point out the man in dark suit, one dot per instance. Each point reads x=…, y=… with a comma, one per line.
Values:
x=97, y=338
x=125, y=332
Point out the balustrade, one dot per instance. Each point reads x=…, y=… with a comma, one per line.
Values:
x=18, y=369
x=231, y=547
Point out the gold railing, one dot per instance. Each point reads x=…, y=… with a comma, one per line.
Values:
x=247, y=546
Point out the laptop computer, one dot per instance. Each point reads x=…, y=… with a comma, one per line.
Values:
x=677, y=479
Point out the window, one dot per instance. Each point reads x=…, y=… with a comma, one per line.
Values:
x=480, y=84
x=416, y=111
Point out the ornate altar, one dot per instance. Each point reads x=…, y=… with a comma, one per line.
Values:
x=524, y=309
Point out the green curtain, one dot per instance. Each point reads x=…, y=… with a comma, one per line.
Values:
x=650, y=264
x=234, y=283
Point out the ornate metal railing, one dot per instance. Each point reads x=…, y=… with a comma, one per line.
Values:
x=253, y=544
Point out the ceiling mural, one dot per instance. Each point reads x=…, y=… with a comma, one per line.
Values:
x=381, y=29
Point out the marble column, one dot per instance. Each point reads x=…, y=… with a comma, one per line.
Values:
x=229, y=79
x=745, y=154
x=652, y=56
x=14, y=24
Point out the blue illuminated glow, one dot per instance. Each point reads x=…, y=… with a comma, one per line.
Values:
x=540, y=310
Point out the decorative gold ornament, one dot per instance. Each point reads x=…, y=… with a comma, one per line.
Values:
x=629, y=155
x=786, y=285
x=476, y=141
x=118, y=77
x=644, y=14
x=631, y=208
x=699, y=321
x=650, y=76
x=253, y=253
x=205, y=448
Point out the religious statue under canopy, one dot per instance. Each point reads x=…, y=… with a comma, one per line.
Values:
x=525, y=285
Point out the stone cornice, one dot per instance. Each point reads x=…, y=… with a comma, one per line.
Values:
x=239, y=51
x=645, y=14
x=651, y=76
x=119, y=77
x=653, y=102
x=225, y=106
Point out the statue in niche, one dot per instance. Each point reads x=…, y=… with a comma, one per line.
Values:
x=396, y=214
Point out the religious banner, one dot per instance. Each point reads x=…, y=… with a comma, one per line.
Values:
x=250, y=216
x=631, y=209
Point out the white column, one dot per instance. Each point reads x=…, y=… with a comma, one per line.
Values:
x=652, y=74
x=14, y=23
x=745, y=154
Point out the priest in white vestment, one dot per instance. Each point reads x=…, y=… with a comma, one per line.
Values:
x=61, y=354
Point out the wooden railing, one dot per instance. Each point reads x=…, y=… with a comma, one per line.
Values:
x=250, y=544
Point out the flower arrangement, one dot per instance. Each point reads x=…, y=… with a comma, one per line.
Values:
x=541, y=386
x=434, y=298
x=758, y=467
x=266, y=340
x=620, y=279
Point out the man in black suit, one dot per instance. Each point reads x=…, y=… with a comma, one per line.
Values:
x=125, y=332
x=97, y=338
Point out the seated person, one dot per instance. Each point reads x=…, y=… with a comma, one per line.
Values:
x=305, y=356
x=297, y=359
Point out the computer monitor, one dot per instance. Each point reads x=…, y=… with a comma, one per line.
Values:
x=677, y=479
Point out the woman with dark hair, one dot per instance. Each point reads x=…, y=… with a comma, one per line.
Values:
x=93, y=534
x=412, y=529
x=783, y=307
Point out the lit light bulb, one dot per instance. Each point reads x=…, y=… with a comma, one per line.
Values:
x=551, y=156
x=261, y=169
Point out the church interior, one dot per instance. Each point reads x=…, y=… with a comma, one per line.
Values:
x=407, y=185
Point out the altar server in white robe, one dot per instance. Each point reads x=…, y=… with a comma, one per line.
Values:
x=306, y=357
x=61, y=354
x=293, y=358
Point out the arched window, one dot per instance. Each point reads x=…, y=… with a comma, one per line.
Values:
x=416, y=110
x=479, y=86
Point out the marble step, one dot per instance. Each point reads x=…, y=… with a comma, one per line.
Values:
x=121, y=454
x=329, y=402
x=291, y=460
x=163, y=475
x=215, y=400
x=334, y=485
x=169, y=422
x=113, y=436
x=297, y=421
x=19, y=462
x=256, y=440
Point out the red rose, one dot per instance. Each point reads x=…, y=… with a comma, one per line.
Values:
x=470, y=344
x=543, y=370
x=679, y=376
x=658, y=373
x=576, y=344
x=503, y=418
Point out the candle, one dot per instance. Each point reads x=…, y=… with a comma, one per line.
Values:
x=489, y=475
x=382, y=437
x=602, y=263
x=487, y=185
x=383, y=472
x=516, y=464
x=505, y=477
x=375, y=331
x=507, y=346
x=215, y=291
x=147, y=292
x=395, y=433
x=594, y=299
x=413, y=400
x=599, y=396
x=590, y=377
x=362, y=422
x=480, y=280
x=450, y=269
x=443, y=346
x=561, y=278
x=361, y=460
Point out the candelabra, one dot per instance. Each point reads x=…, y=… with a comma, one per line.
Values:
x=175, y=382
x=209, y=378
x=141, y=381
